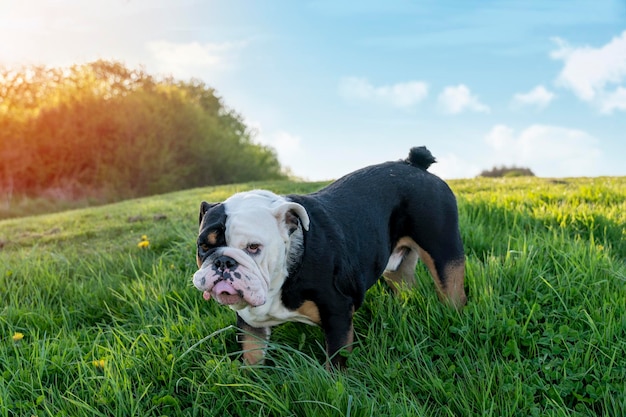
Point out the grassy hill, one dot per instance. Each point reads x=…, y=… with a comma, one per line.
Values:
x=93, y=322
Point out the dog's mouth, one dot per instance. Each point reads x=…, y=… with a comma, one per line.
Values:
x=224, y=293
x=231, y=279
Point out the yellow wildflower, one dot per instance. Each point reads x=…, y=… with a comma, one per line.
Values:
x=98, y=363
x=17, y=336
x=144, y=242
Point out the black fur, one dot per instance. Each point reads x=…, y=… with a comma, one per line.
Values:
x=212, y=221
x=355, y=224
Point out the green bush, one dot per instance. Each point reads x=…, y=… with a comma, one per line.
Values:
x=504, y=171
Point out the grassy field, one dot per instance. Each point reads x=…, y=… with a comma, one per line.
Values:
x=93, y=322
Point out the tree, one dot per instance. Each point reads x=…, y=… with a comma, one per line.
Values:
x=104, y=131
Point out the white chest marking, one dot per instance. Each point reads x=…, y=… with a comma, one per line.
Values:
x=272, y=313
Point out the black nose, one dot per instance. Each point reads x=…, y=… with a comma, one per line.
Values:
x=224, y=262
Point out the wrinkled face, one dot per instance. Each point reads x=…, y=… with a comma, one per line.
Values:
x=243, y=247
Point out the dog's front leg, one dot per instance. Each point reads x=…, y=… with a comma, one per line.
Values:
x=339, y=333
x=253, y=342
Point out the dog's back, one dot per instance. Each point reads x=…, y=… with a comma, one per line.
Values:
x=388, y=181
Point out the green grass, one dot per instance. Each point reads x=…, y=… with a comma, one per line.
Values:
x=111, y=329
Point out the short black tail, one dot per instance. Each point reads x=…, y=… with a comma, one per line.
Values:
x=420, y=157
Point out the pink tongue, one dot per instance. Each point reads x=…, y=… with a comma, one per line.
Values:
x=206, y=295
x=224, y=287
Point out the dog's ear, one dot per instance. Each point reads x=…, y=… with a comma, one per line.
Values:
x=292, y=214
x=204, y=207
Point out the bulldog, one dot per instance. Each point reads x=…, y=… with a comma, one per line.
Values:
x=311, y=258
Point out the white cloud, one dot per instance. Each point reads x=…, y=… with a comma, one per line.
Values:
x=614, y=101
x=591, y=73
x=451, y=165
x=538, y=97
x=286, y=144
x=288, y=147
x=401, y=95
x=550, y=151
x=500, y=137
x=185, y=60
x=457, y=99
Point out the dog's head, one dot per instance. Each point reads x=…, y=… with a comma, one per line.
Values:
x=246, y=247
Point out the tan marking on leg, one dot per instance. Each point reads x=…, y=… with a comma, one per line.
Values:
x=310, y=310
x=404, y=274
x=253, y=344
x=394, y=279
x=453, y=291
x=455, y=277
x=430, y=264
x=350, y=338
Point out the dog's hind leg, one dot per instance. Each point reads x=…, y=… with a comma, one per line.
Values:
x=400, y=270
x=449, y=277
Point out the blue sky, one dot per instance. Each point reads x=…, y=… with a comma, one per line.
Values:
x=334, y=86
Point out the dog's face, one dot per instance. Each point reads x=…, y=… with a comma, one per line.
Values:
x=246, y=245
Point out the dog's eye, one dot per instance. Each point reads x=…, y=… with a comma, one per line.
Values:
x=253, y=248
x=203, y=247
